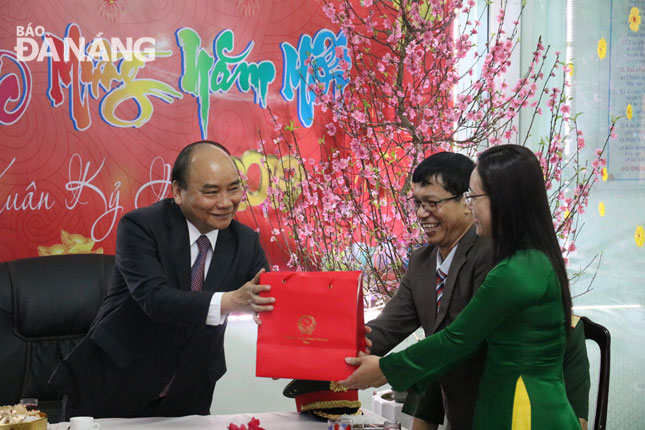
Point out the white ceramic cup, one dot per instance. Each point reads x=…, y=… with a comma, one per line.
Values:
x=83, y=423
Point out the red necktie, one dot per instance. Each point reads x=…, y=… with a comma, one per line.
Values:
x=197, y=271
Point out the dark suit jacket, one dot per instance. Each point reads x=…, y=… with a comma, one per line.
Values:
x=415, y=304
x=151, y=327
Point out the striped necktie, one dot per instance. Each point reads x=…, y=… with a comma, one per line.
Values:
x=441, y=281
x=197, y=271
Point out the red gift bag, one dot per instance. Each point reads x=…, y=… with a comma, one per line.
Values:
x=316, y=322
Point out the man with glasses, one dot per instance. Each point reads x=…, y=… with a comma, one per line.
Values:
x=440, y=281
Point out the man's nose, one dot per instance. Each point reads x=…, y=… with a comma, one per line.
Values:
x=223, y=200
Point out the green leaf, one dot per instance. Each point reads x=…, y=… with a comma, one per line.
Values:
x=291, y=126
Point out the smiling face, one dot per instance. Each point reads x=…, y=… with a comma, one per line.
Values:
x=213, y=192
x=480, y=206
x=448, y=222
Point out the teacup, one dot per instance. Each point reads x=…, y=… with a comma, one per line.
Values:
x=83, y=423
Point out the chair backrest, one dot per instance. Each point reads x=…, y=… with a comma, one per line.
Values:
x=600, y=335
x=46, y=307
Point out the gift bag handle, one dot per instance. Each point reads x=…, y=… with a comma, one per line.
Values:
x=284, y=280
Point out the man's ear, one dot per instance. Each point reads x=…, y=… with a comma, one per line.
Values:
x=467, y=210
x=176, y=192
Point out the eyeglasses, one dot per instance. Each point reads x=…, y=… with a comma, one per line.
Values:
x=431, y=205
x=469, y=197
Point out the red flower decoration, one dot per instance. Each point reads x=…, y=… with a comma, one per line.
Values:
x=254, y=424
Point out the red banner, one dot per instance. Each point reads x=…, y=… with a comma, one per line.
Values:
x=97, y=98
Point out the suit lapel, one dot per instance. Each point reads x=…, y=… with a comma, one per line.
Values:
x=180, y=244
x=221, y=261
x=458, y=260
x=428, y=285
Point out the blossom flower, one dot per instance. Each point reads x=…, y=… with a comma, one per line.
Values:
x=360, y=151
x=602, y=48
x=634, y=19
x=581, y=142
x=382, y=127
x=629, y=112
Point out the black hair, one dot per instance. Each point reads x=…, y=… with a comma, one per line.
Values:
x=450, y=169
x=520, y=213
x=180, y=168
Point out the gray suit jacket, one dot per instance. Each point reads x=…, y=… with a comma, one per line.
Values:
x=415, y=305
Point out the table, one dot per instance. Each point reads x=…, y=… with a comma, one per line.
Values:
x=268, y=421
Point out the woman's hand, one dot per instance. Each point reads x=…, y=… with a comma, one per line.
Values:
x=367, y=375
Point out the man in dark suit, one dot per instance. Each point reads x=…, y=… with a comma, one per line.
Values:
x=433, y=300
x=182, y=265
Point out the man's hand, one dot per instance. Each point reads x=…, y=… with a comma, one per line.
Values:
x=368, y=342
x=367, y=375
x=247, y=299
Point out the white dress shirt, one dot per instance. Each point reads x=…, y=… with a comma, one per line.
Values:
x=442, y=263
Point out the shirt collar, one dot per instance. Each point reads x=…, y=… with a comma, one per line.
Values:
x=193, y=234
x=444, y=263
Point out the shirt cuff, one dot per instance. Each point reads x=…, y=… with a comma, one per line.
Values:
x=214, y=316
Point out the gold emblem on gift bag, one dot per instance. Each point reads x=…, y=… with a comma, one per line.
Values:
x=307, y=324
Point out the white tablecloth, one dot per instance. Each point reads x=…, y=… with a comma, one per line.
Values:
x=268, y=421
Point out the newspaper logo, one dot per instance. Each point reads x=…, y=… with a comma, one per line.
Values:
x=35, y=44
